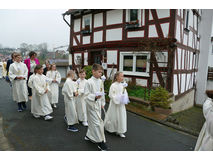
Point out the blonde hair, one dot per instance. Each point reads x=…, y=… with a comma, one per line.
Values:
x=71, y=73
x=116, y=75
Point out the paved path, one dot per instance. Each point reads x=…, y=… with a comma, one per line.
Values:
x=23, y=132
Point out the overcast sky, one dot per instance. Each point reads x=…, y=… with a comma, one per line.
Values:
x=33, y=27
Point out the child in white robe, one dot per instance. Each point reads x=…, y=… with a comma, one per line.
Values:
x=95, y=100
x=205, y=139
x=115, y=118
x=69, y=91
x=18, y=76
x=40, y=105
x=80, y=100
x=55, y=80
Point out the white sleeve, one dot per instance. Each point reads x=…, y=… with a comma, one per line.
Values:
x=88, y=92
x=67, y=90
x=113, y=96
x=58, y=77
x=39, y=90
x=12, y=76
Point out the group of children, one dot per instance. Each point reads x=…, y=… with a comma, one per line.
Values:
x=83, y=99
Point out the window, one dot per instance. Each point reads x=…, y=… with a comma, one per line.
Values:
x=132, y=63
x=87, y=22
x=133, y=15
x=186, y=19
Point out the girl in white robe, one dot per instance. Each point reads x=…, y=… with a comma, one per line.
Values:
x=18, y=76
x=69, y=91
x=80, y=100
x=115, y=118
x=40, y=105
x=205, y=139
x=55, y=80
x=95, y=100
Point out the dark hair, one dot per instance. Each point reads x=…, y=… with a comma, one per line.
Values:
x=96, y=67
x=209, y=93
x=38, y=66
x=82, y=71
x=16, y=55
x=13, y=55
x=116, y=75
x=32, y=53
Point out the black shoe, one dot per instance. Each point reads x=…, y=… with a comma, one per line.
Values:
x=102, y=146
x=24, y=106
x=19, y=107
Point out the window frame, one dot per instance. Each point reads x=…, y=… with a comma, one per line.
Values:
x=135, y=54
x=83, y=21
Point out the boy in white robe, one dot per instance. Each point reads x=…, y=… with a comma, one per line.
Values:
x=205, y=139
x=80, y=100
x=69, y=91
x=115, y=118
x=18, y=76
x=95, y=100
x=40, y=105
x=55, y=80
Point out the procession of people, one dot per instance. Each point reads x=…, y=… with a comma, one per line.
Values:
x=83, y=99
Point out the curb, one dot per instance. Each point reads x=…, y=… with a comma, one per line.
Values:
x=168, y=124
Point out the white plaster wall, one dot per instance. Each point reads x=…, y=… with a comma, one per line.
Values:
x=162, y=13
x=179, y=58
x=86, y=39
x=195, y=22
x=135, y=34
x=70, y=59
x=98, y=20
x=152, y=31
x=165, y=29
x=112, y=57
x=77, y=25
x=155, y=78
x=190, y=18
x=183, y=58
x=114, y=34
x=183, y=81
x=78, y=37
x=74, y=42
x=191, y=60
x=114, y=16
x=141, y=82
x=85, y=58
x=143, y=17
x=175, y=65
x=188, y=81
x=150, y=15
x=178, y=31
x=175, y=86
x=190, y=38
x=98, y=36
x=185, y=39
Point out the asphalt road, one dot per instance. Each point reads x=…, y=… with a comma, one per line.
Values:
x=25, y=133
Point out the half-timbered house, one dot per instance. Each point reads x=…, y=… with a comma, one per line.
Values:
x=151, y=47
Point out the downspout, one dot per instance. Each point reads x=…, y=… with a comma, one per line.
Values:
x=69, y=24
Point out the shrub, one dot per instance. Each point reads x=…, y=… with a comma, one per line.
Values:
x=88, y=70
x=160, y=98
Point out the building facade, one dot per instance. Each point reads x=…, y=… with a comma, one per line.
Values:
x=152, y=47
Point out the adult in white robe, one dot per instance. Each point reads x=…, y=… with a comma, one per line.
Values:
x=19, y=86
x=205, y=139
x=68, y=91
x=80, y=101
x=40, y=104
x=54, y=86
x=95, y=131
x=115, y=118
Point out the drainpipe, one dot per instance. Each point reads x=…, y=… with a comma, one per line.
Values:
x=69, y=24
